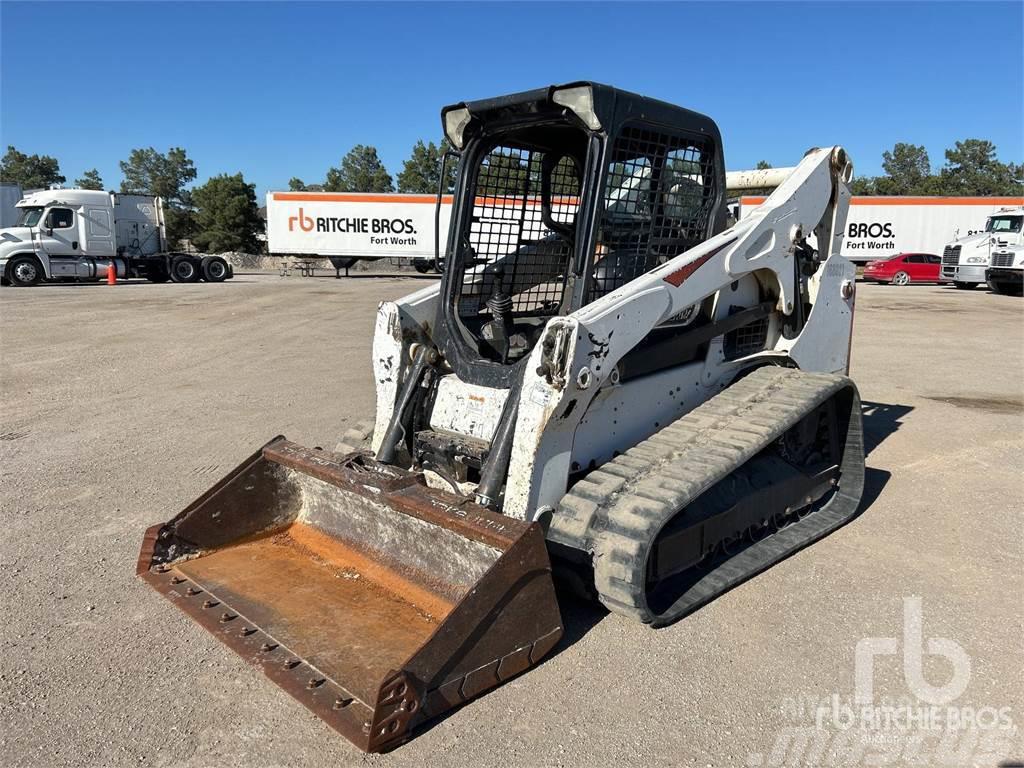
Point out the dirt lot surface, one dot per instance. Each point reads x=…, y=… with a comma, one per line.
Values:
x=122, y=404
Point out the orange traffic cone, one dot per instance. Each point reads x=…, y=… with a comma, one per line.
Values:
x=112, y=274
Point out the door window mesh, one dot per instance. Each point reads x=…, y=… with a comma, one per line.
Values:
x=658, y=201
x=507, y=225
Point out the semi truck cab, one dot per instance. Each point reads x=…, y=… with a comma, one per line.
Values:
x=966, y=261
x=82, y=234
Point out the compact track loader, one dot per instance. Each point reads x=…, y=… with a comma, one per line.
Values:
x=605, y=373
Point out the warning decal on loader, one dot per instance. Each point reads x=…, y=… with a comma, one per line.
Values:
x=678, y=277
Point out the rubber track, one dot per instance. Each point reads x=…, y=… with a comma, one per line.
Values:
x=616, y=512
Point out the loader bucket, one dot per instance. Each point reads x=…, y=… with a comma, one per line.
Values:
x=377, y=602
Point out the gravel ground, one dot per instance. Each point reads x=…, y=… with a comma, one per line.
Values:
x=122, y=404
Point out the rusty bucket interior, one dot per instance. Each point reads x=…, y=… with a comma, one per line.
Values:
x=376, y=601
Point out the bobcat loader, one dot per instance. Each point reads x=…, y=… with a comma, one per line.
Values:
x=605, y=374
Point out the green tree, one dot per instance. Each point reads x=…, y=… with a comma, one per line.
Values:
x=863, y=185
x=30, y=171
x=298, y=185
x=361, y=171
x=907, y=169
x=148, y=172
x=90, y=180
x=972, y=169
x=502, y=173
x=762, y=165
x=227, y=217
x=564, y=178
x=422, y=171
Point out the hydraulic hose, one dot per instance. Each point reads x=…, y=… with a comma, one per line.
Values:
x=397, y=429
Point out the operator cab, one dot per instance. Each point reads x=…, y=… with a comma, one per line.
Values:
x=563, y=195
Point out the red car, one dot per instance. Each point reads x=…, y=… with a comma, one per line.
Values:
x=904, y=269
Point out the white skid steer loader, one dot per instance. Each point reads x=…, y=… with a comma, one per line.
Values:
x=605, y=374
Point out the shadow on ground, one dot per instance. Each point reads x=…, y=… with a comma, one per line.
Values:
x=382, y=275
x=880, y=421
x=90, y=284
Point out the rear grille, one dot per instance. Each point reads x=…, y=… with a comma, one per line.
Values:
x=1002, y=259
x=951, y=254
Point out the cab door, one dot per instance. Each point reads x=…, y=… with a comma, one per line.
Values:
x=59, y=240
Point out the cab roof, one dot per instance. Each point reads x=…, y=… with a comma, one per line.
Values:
x=67, y=196
x=612, y=106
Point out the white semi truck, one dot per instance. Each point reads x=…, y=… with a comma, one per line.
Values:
x=80, y=234
x=991, y=256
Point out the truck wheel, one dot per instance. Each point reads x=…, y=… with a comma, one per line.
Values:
x=422, y=266
x=25, y=271
x=215, y=269
x=1005, y=289
x=963, y=286
x=184, y=269
x=901, y=278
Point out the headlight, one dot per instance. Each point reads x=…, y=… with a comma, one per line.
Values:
x=976, y=260
x=455, y=122
x=580, y=99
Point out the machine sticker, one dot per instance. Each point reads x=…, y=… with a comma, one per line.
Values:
x=540, y=394
x=678, y=277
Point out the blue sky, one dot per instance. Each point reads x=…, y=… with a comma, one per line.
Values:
x=278, y=90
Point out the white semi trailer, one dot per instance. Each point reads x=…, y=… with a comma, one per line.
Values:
x=880, y=227
x=346, y=226
x=79, y=234
x=10, y=194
